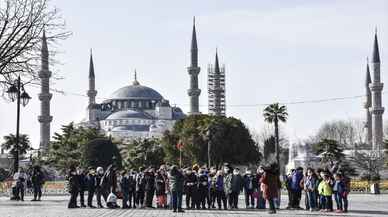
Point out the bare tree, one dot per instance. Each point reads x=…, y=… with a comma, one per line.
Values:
x=349, y=134
x=22, y=23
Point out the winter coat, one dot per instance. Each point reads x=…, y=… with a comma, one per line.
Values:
x=83, y=182
x=324, y=188
x=339, y=186
x=250, y=183
x=140, y=182
x=176, y=180
x=149, y=181
x=160, y=185
x=37, y=178
x=310, y=183
x=91, y=182
x=296, y=178
x=237, y=183
x=73, y=183
x=124, y=184
x=270, y=185
x=190, y=183
x=99, y=178
x=228, y=183
x=219, y=183
x=132, y=183
x=203, y=183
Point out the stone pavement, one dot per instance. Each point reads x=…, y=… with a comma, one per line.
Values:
x=55, y=206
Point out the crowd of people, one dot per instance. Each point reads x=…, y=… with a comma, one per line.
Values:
x=320, y=187
x=205, y=188
x=24, y=180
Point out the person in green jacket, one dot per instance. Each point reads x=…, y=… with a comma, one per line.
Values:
x=325, y=191
x=176, y=187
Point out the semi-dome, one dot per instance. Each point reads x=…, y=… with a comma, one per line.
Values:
x=136, y=92
x=129, y=114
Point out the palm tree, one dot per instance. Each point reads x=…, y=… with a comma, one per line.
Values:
x=9, y=144
x=273, y=114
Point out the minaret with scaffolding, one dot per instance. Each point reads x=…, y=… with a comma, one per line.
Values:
x=216, y=88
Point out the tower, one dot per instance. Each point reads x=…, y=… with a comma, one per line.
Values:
x=216, y=88
x=376, y=88
x=193, y=71
x=367, y=105
x=92, y=91
x=45, y=96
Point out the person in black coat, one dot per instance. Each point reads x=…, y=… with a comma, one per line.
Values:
x=91, y=184
x=124, y=184
x=82, y=185
x=149, y=177
x=37, y=180
x=250, y=186
x=101, y=189
x=160, y=189
x=73, y=186
x=190, y=188
x=132, y=189
x=140, y=188
x=203, y=189
x=237, y=184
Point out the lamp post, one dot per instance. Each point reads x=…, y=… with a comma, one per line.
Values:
x=15, y=93
x=209, y=134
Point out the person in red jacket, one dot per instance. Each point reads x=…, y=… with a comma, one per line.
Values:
x=270, y=185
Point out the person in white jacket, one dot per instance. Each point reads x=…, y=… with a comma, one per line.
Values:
x=21, y=178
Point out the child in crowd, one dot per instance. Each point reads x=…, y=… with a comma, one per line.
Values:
x=325, y=193
x=310, y=183
x=340, y=193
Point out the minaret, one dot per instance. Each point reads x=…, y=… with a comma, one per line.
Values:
x=92, y=91
x=45, y=96
x=135, y=81
x=377, y=110
x=216, y=88
x=367, y=105
x=193, y=70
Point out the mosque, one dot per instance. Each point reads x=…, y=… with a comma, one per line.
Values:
x=136, y=111
x=131, y=112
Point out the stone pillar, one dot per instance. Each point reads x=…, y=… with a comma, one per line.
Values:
x=377, y=110
x=45, y=96
x=193, y=71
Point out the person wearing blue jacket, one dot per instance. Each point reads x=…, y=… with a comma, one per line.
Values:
x=296, y=189
x=250, y=186
x=339, y=190
x=220, y=192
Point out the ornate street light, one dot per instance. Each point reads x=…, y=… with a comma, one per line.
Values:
x=25, y=98
x=14, y=93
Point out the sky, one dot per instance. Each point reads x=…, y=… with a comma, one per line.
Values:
x=274, y=51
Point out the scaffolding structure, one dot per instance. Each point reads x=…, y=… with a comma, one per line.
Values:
x=216, y=90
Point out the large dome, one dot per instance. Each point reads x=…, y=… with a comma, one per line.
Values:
x=136, y=92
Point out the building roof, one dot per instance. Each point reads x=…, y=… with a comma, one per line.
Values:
x=136, y=92
x=128, y=114
x=132, y=128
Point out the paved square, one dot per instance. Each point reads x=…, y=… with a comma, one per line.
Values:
x=55, y=206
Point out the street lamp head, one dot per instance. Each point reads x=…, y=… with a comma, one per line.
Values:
x=12, y=92
x=25, y=98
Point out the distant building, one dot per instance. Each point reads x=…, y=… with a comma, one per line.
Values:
x=133, y=111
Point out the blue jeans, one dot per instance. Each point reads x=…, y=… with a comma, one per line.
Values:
x=312, y=199
x=176, y=200
x=125, y=199
x=338, y=200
